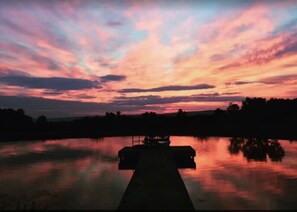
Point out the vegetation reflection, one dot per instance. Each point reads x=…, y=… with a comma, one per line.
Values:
x=257, y=149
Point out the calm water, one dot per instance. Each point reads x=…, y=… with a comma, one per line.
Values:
x=83, y=174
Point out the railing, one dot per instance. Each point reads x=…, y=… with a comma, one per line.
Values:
x=137, y=140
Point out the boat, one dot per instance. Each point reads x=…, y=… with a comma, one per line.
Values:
x=156, y=140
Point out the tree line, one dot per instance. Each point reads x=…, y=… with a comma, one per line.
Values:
x=271, y=118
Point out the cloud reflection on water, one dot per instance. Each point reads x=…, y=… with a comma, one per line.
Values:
x=228, y=181
x=83, y=174
x=72, y=173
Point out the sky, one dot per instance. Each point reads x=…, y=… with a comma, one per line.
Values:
x=63, y=58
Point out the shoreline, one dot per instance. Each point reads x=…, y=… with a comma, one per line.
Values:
x=11, y=137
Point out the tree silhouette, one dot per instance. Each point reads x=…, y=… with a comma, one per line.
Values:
x=257, y=149
x=233, y=108
x=257, y=117
x=219, y=112
x=41, y=120
x=181, y=113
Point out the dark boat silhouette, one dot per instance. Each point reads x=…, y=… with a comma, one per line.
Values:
x=156, y=140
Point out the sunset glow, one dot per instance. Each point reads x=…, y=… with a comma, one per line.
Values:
x=71, y=58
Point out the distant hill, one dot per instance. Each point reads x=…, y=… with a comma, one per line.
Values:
x=190, y=113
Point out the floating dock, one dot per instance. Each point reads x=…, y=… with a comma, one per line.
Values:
x=156, y=183
x=183, y=156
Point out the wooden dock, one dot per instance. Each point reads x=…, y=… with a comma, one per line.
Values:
x=156, y=183
x=183, y=156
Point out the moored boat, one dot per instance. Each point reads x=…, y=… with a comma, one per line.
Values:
x=156, y=140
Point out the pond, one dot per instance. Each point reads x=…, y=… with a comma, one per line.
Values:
x=230, y=173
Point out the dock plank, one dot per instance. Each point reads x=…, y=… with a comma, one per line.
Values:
x=156, y=184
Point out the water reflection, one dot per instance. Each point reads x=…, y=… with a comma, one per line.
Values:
x=230, y=173
x=202, y=138
x=61, y=174
x=55, y=154
x=228, y=181
x=257, y=149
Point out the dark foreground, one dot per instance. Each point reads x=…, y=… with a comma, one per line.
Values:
x=257, y=117
x=156, y=183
